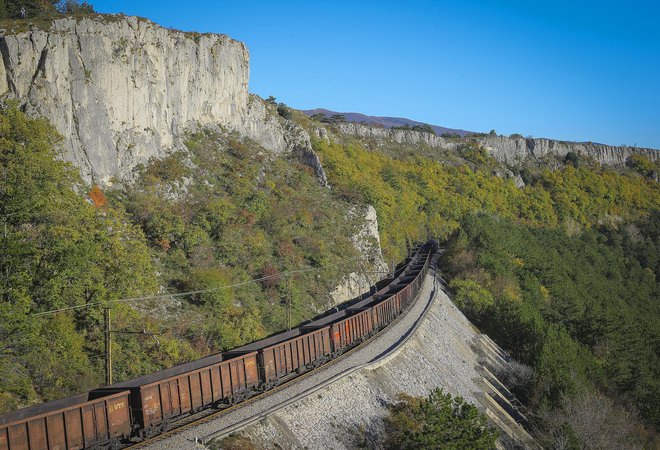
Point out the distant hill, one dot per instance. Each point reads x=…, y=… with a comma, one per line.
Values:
x=385, y=122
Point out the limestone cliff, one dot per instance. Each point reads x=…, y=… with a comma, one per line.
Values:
x=367, y=242
x=512, y=150
x=122, y=89
x=505, y=149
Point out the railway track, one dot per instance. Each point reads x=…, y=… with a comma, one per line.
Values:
x=210, y=415
x=146, y=407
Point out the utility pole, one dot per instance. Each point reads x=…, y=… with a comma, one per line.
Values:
x=393, y=269
x=288, y=303
x=108, y=348
x=108, y=343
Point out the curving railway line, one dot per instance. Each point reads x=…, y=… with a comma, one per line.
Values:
x=138, y=411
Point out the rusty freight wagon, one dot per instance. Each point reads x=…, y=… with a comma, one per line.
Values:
x=160, y=398
x=77, y=422
x=352, y=330
x=283, y=354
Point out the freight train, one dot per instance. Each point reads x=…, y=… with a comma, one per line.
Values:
x=117, y=415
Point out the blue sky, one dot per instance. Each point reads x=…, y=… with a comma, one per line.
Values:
x=574, y=70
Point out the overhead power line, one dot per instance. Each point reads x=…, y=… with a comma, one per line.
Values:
x=200, y=291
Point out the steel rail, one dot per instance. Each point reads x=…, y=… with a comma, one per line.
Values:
x=211, y=414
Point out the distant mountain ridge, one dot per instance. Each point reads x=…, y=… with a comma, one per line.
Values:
x=385, y=122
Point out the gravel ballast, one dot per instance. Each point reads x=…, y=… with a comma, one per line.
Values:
x=348, y=411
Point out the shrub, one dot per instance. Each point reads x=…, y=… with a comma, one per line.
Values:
x=471, y=297
x=439, y=421
x=641, y=164
x=519, y=378
x=284, y=111
x=572, y=158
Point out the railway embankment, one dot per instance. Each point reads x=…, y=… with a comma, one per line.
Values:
x=445, y=350
x=343, y=405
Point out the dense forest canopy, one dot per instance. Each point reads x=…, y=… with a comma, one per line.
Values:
x=221, y=215
x=561, y=272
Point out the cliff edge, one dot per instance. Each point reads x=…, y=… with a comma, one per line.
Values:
x=122, y=89
x=508, y=150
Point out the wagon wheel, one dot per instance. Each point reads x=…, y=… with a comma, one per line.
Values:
x=242, y=395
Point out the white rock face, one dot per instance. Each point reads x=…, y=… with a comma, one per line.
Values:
x=505, y=149
x=121, y=89
x=510, y=150
x=367, y=242
x=398, y=136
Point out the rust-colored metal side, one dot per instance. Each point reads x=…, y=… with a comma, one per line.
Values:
x=55, y=430
x=352, y=329
x=119, y=416
x=152, y=411
x=37, y=432
x=196, y=399
x=205, y=386
x=67, y=424
x=268, y=365
x=286, y=357
x=216, y=383
x=185, y=400
x=74, y=431
x=226, y=380
x=89, y=424
x=18, y=437
x=4, y=439
x=237, y=375
x=251, y=371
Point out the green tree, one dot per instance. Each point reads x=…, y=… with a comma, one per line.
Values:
x=642, y=165
x=57, y=250
x=437, y=422
x=284, y=111
x=74, y=7
x=471, y=297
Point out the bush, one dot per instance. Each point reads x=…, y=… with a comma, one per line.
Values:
x=572, y=158
x=439, y=421
x=471, y=297
x=641, y=164
x=588, y=420
x=519, y=378
x=75, y=7
x=284, y=111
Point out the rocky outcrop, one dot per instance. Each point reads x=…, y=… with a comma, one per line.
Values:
x=374, y=268
x=505, y=149
x=121, y=90
x=298, y=141
x=513, y=150
x=398, y=136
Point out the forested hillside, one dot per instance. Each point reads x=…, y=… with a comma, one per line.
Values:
x=562, y=273
x=211, y=220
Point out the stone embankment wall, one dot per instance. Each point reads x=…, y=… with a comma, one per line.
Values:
x=445, y=351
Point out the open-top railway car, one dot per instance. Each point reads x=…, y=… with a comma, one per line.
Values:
x=141, y=407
